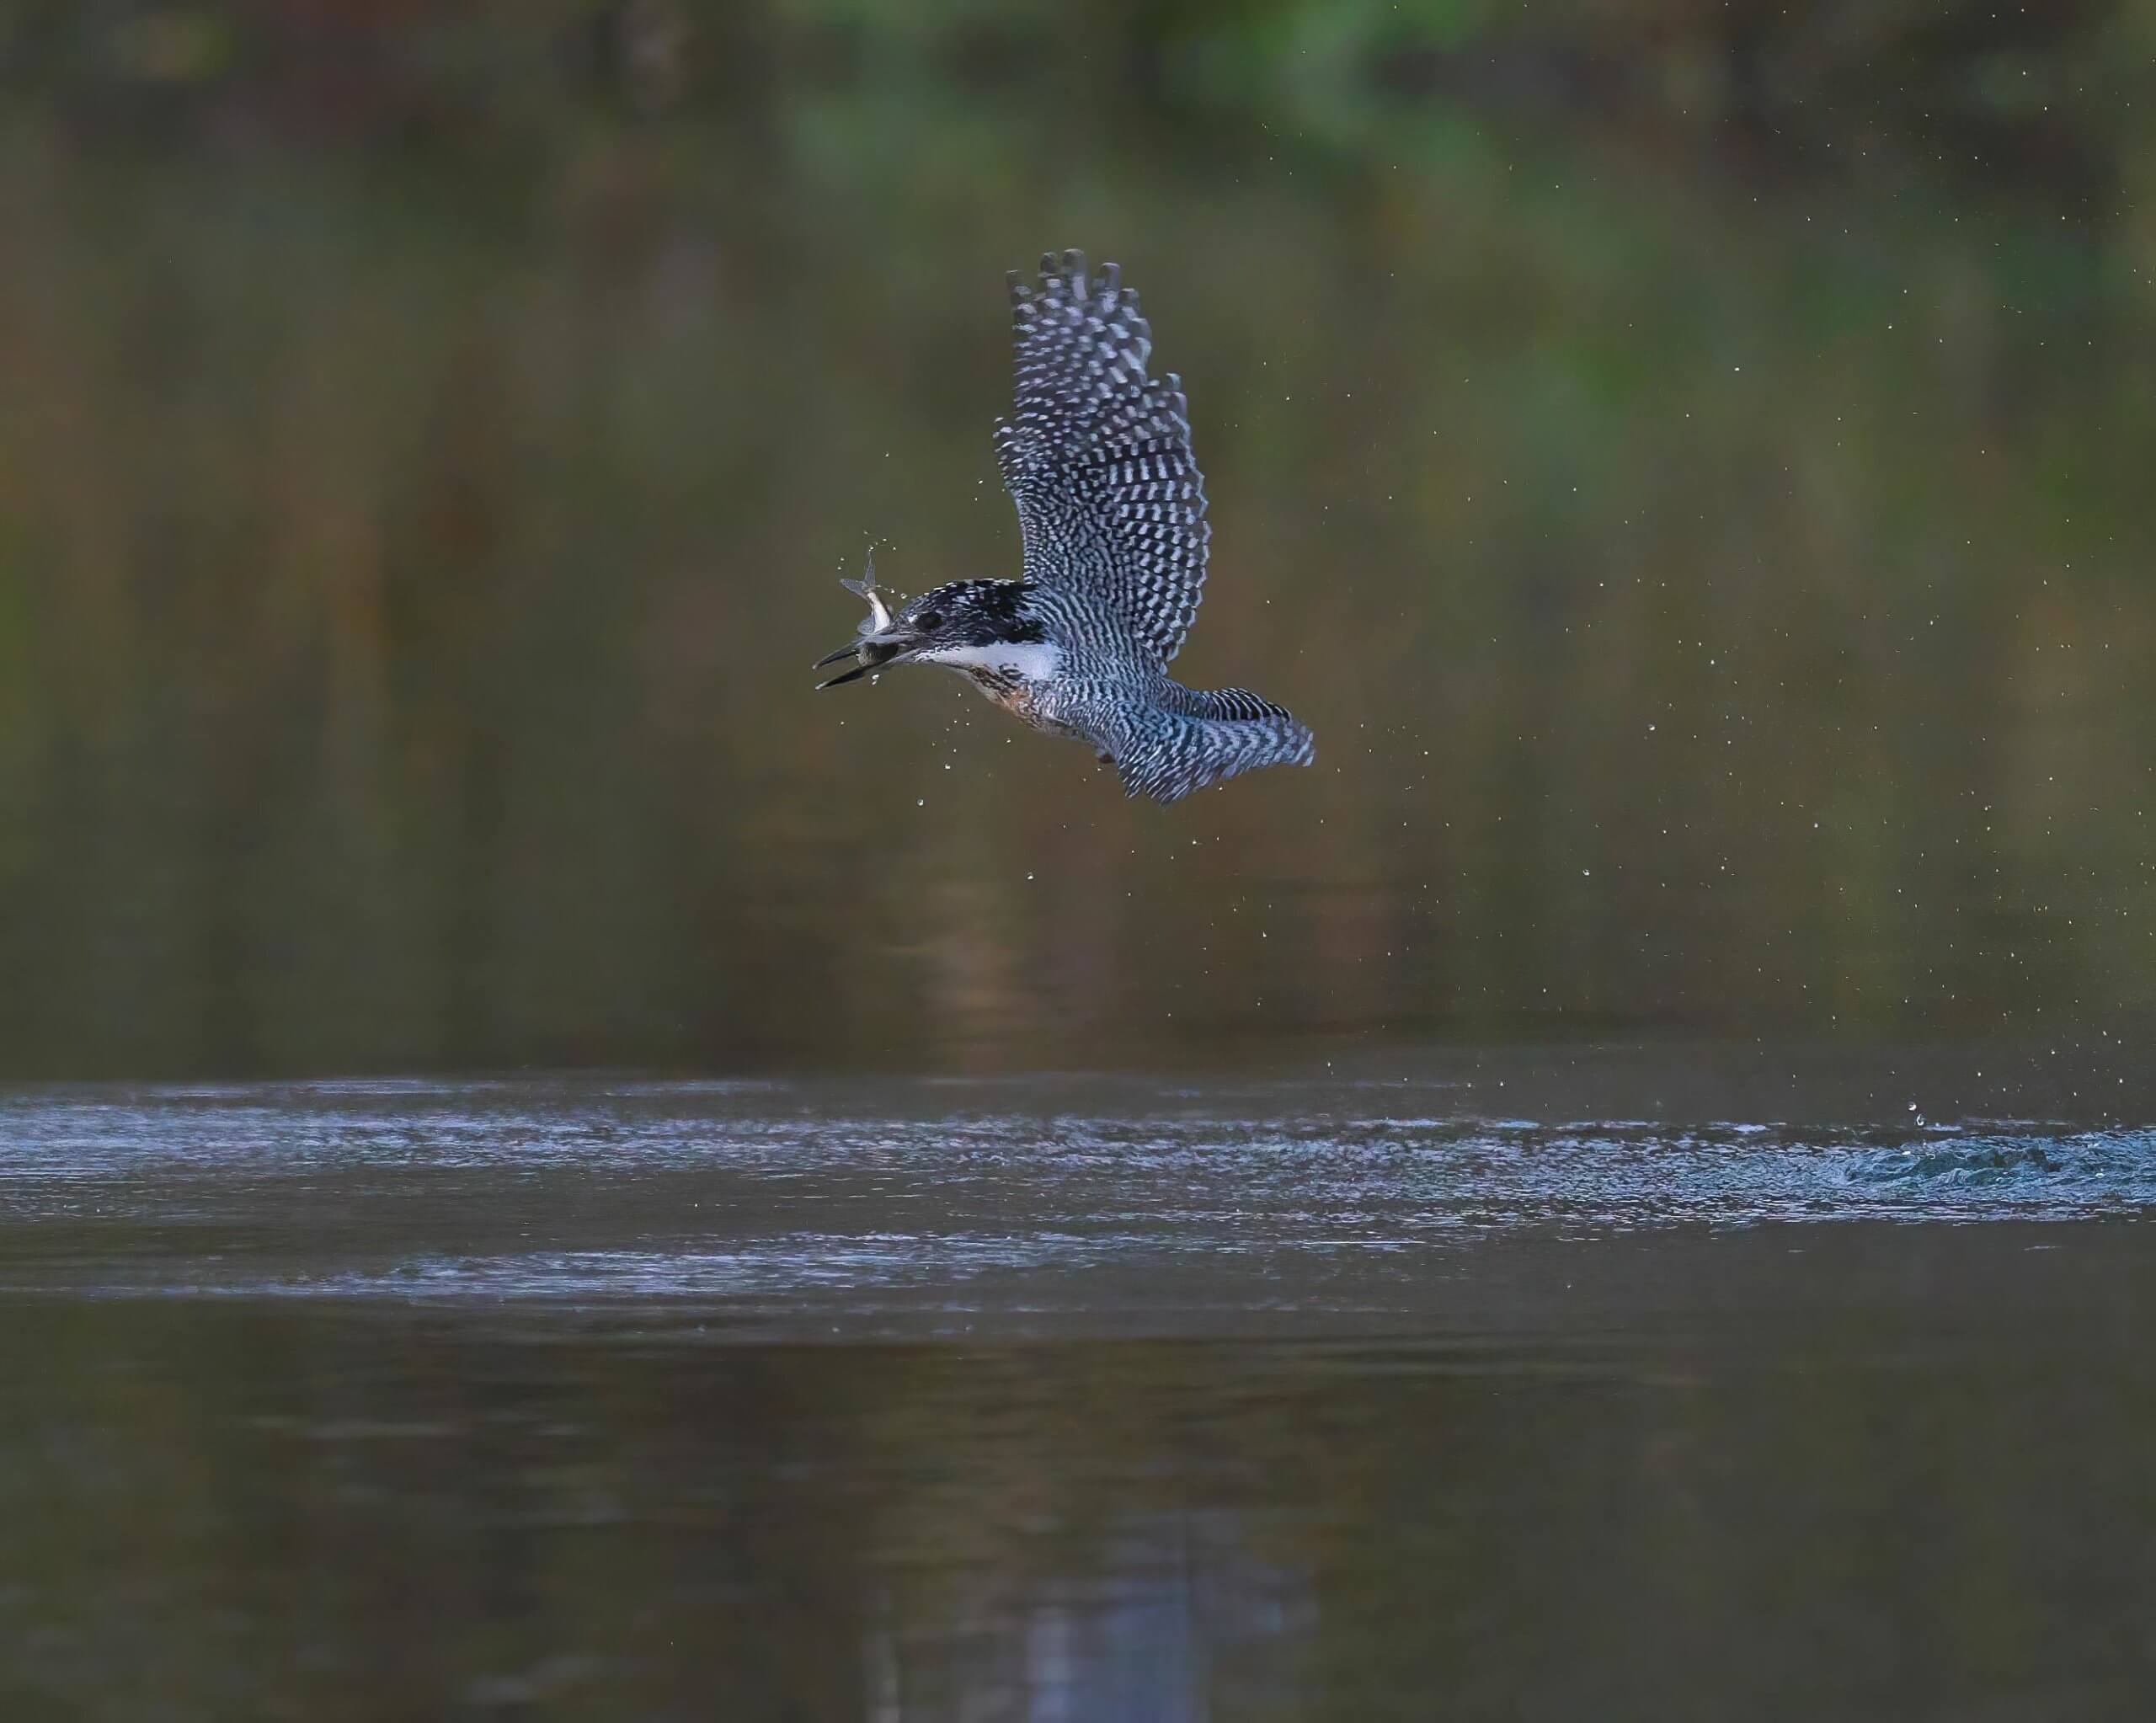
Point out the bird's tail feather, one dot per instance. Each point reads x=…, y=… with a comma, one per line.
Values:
x=1213, y=735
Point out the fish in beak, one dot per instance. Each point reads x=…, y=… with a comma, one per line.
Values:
x=873, y=646
x=872, y=655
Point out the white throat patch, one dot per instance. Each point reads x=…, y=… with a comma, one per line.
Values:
x=1033, y=661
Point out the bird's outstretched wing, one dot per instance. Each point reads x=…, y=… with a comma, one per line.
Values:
x=1166, y=753
x=1097, y=456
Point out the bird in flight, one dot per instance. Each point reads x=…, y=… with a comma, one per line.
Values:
x=1111, y=508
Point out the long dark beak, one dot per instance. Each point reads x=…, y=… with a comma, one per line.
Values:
x=873, y=653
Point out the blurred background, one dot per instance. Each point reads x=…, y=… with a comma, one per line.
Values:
x=1689, y=461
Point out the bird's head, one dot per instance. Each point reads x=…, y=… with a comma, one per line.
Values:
x=949, y=625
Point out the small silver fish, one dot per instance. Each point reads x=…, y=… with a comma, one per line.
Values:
x=879, y=613
x=878, y=621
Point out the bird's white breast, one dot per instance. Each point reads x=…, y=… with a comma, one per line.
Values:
x=1033, y=661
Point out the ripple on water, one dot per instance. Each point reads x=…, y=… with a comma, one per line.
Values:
x=771, y=1191
x=2084, y=1167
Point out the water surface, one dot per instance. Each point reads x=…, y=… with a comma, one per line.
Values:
x=917, y=1209
x=1333, y=1396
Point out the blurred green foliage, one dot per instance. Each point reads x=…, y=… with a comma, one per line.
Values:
x=1689, y=463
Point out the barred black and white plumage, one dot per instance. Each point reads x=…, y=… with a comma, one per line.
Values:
x=1096, y=456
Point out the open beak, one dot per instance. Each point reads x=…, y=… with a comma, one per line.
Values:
x=874, y=646
x=874, y=651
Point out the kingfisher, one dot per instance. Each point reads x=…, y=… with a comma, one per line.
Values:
x=1096, y=456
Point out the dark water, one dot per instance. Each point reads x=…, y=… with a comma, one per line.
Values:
x=1689, y=465
x=1336, y=1396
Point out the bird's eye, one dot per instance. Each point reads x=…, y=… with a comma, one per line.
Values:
x=928, y=619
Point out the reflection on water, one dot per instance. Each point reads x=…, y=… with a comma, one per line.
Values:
x=1181, y=1624
x=1339, y=1398
x=1850, y=1473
